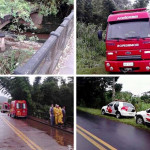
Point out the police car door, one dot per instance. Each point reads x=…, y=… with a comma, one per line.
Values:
x=109, y=108
x=113, y=108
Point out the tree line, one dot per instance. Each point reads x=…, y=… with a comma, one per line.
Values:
x=97, y=11
x=40, y=95
x=96, y=92
x=99, y=91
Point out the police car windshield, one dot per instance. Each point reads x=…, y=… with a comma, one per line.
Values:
x=128, y=30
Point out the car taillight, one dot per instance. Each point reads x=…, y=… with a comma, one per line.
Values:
x=124, y=108
x=148, y=114
x=148, y=119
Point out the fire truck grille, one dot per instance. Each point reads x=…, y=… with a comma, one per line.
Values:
x=131, y=57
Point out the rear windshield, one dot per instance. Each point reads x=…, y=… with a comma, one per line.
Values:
x=21, y=106
x=128, y=105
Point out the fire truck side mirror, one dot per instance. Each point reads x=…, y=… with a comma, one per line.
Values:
x=100, y=35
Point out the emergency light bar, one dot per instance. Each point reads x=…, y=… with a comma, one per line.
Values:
x=130, y=10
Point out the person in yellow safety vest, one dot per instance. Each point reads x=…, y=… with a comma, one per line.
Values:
x=60, y=115
x=56, y=110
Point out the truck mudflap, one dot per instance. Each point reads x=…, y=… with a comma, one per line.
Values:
x=128, y=66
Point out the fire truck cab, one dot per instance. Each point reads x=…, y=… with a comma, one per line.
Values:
x=128, y=41
x=18, y=108
x=5, y=107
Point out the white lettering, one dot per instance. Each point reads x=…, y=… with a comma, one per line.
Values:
x=127, y=45
x=127, y=17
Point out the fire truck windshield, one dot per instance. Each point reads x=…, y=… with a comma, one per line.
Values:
x=21, y=106
x=128, y=30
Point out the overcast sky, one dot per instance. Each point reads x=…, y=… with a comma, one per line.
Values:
x=135, y=83
x=132, y=1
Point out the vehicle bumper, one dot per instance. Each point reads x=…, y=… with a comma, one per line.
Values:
x=128, y=114
x=118, y=66
x=22, y=116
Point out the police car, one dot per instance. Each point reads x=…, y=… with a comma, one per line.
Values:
x=119, y=109
x=143, y=117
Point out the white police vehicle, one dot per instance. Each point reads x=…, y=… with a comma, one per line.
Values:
x=143, y=117
x=119, y=109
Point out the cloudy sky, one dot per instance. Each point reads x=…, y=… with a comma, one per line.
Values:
x=137, y=84
x=132, y=1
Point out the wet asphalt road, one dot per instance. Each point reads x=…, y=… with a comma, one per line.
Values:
x=25, y=134
x=118, y=135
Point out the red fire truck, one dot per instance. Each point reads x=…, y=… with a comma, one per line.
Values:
x=5, y=107
x=128, y=41
x=18, y=108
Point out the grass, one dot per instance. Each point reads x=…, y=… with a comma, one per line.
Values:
x=98, y=66
x=97, y=112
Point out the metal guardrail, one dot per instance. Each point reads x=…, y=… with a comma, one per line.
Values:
x=45, y=60
x=41, y=115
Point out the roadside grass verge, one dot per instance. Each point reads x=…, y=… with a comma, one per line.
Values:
x=97, y=112
x=98, y=66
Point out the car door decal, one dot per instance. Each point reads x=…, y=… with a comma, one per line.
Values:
x=109, y=109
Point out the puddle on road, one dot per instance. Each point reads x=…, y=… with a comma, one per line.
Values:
x=62, y=138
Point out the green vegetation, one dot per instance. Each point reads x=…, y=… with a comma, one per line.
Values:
x=21, y=10
x=92, y=16
x=95, y=92
x=9, y=60
x=90, y=52
x=40, y=95
x=129, y=121
x=103, y=90
x=21, y=22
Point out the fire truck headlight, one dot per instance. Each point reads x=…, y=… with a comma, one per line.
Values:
x=147, y=52
x=111, y=68
x=110, y=53
x=147, y=68
x=108, y=64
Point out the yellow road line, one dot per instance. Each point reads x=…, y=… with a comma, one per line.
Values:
x=96, y=138
x=39, y=148
x=91, y=140
x=22, y=135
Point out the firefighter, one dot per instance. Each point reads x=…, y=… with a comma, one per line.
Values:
x=56, y=110
x=60, y=115
x=64, y=114
x=51, y=113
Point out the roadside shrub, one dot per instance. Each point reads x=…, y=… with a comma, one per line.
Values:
x=90, y=51
x=88, y=36
x=9, y=60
